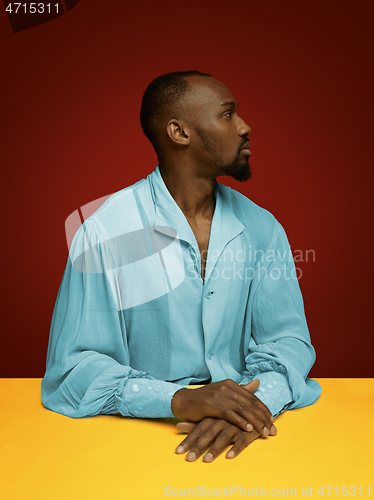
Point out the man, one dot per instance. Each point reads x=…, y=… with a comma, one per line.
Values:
x=179, y=280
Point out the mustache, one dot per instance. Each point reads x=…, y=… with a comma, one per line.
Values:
x=244, y=142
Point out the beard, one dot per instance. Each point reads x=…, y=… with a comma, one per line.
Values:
x=238, y=168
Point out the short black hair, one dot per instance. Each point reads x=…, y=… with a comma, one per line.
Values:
x=163, y=93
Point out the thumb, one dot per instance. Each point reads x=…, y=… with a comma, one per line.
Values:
x=185, y=427
x=252, y=386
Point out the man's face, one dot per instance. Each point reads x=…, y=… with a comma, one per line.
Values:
x=218, y=134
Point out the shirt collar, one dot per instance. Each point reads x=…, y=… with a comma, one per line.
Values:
x=168, y=212
x=225, y=225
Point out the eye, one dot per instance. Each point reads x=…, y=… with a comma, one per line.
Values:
x=229, y=113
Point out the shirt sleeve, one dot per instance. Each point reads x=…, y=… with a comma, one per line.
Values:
x=88, y=370
x=274, y=391
x=279, y=339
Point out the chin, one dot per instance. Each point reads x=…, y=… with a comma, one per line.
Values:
x=240, y=171
x=243, y=178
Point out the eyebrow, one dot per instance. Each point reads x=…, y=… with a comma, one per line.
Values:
x=230, y=103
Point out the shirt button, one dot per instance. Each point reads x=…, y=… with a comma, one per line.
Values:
x=210, y=356
x=209, y=294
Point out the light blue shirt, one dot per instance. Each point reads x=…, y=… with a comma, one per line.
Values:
x=134, y=321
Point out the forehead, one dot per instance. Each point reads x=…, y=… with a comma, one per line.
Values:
x=208, y=93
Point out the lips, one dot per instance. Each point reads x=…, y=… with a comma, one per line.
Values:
x=245, y=149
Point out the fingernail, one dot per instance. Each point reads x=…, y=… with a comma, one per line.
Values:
x=230, y=454
x=273, y=430
x=272, y=418
x=179, y=449
x=208, y=457
x=265, y=431
x=191, y=456
x=249, y=427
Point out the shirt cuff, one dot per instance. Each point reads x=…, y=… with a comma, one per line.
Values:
x=274, y=391
x=146, y=398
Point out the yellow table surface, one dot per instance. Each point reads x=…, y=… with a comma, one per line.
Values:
x=45, y=455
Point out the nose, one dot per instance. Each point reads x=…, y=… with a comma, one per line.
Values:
x=243, y=128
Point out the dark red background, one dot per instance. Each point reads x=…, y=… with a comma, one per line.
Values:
x=302, y=72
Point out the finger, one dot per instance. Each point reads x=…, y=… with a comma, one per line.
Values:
x=248, y=422
x=255, y=416
x=254, y=411
x=225, y=437
x=252, y=386
x=243, y=440
x=233, y=417
x=194, y=434
x=185, y=427
x=247, y=414
x=250, y=396
x=210, y=436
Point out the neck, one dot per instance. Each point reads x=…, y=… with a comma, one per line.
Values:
x=192, y=193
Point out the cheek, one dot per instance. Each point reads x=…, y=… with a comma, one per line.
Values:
x=234, y=148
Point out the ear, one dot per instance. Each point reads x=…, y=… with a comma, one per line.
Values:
x=178, y=132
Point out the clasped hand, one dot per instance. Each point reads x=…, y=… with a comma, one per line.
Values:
x=220, y=414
